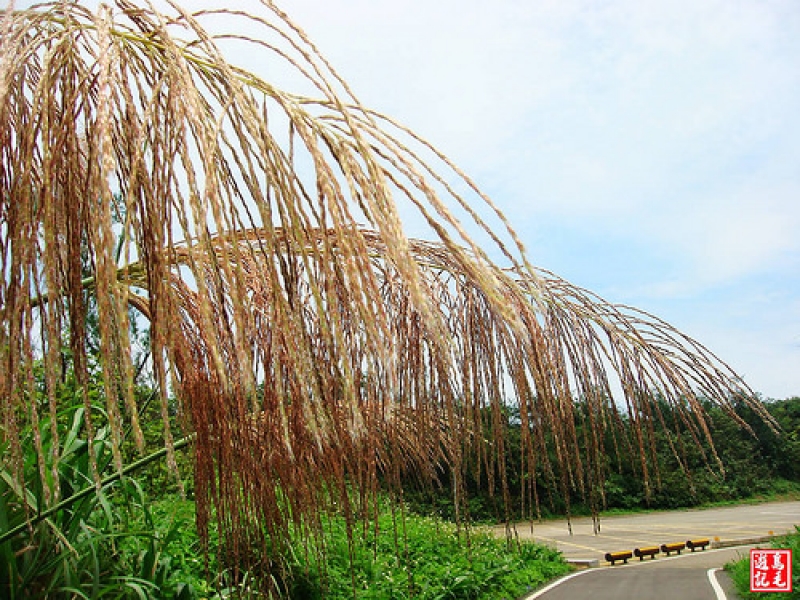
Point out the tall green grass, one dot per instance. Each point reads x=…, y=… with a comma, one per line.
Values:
x=740, y=571
x=100, y=544
x=430, y=561
x=427, y=560
x=120, y=543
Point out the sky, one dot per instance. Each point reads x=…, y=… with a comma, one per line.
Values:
x=648, y=151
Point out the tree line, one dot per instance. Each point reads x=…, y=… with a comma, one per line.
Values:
x=740, y=461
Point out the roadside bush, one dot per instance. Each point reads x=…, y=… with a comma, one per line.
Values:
x=104, y=543
x=740, y=571
x=428, y=559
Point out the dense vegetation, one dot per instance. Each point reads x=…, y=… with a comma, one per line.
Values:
x=758, y=463
x=740, y=571
x=137, y=537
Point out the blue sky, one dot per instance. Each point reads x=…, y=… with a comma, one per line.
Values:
x=646, y=150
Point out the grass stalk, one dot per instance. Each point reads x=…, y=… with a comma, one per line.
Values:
x=88, y=491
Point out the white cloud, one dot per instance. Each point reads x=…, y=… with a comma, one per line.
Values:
x=668, y=130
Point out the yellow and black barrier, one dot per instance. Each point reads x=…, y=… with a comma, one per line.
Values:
x=695, y=544
x=674, y=547
x=613, y=557
x=650, y=551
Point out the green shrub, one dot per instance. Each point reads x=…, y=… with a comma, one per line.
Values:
x=428, y=559
x=104, y=543
x=424, y=558
x=740, y=571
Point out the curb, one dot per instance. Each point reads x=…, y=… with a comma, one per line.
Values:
x=742, y=541
x=592, y=563
x=586, y=563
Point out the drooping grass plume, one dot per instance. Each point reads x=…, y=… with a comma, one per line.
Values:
x=316, y=351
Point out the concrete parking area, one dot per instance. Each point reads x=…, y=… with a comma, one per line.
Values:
x=725, y=526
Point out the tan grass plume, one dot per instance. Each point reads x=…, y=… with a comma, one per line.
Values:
x=318, y=353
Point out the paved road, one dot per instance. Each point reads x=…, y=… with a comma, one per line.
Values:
x=656, y=528
x=685, y=577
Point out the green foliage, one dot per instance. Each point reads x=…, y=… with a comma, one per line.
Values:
x=422, y=557
x=90, y=545
x=427, y=560
x=117, y=544
x=740, y=571
x=758, y=465
x=765, y=465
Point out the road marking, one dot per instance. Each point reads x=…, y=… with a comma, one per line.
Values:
x=712, y=579
x=632, y=540
x=561, y=543
x=556, y=583
x=711, y=574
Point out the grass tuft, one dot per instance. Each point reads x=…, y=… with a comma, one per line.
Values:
x=740, y=571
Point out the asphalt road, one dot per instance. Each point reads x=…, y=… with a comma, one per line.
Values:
x=721, y=525
x=686, y=576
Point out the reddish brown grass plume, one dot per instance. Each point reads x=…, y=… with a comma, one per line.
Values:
x=318, y=353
